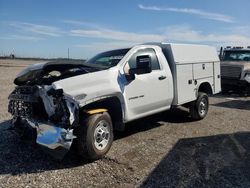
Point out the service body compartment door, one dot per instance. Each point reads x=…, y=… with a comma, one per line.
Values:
x=217, y=77
x=203, y=70
x=185, y=85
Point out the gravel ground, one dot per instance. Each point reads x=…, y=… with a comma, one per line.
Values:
x=164, y=150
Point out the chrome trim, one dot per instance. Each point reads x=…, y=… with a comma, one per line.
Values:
x=52, y=136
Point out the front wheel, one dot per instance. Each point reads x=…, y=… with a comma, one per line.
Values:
x=95, y=136
x=199, y=108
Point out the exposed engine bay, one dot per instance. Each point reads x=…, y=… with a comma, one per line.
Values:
x=38, y=104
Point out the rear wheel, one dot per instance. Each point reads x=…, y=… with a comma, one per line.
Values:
x=95, y=136
x=199, y=108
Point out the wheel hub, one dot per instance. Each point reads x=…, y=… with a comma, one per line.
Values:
x=102, y=135
x=203, y=107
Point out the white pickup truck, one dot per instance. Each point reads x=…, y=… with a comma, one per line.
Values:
x=62, y=102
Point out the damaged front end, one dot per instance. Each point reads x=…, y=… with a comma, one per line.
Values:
x=44, y=111
x=46, y=114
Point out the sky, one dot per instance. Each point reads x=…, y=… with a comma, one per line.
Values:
x=48, y=28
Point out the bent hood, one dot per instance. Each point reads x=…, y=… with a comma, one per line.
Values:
x=35, y=72
x=29, y=73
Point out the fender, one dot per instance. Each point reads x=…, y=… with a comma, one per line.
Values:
x=205, y=86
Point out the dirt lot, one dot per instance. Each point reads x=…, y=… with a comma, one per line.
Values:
x=164, y=150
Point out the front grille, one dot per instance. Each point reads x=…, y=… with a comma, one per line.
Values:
x=20, y=108
x=21, y=101
x=230, y=72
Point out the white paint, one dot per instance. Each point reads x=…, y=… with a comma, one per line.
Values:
x=192, y=53
x=151, y=94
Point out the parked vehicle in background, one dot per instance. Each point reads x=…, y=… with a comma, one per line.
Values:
x=62, y=102
x=235, y=69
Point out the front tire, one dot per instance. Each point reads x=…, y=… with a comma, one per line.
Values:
x=95, y=136
x=199, y=108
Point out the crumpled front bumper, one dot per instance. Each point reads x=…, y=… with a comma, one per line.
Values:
x=56, y=140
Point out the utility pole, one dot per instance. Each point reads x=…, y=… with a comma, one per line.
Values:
x=68, y=53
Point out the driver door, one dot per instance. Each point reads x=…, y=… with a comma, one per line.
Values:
x=146, y=92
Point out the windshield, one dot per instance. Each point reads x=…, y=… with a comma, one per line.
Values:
x=108, y=59
x=242, y=55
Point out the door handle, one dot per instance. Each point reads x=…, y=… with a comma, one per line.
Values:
x=162, y=77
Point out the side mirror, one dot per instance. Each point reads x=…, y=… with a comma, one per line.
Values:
x=143, y=65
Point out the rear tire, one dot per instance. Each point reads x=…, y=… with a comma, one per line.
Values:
x=95, y=136
x=199, y=108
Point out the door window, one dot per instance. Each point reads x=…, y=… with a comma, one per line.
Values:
x=145, y=52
